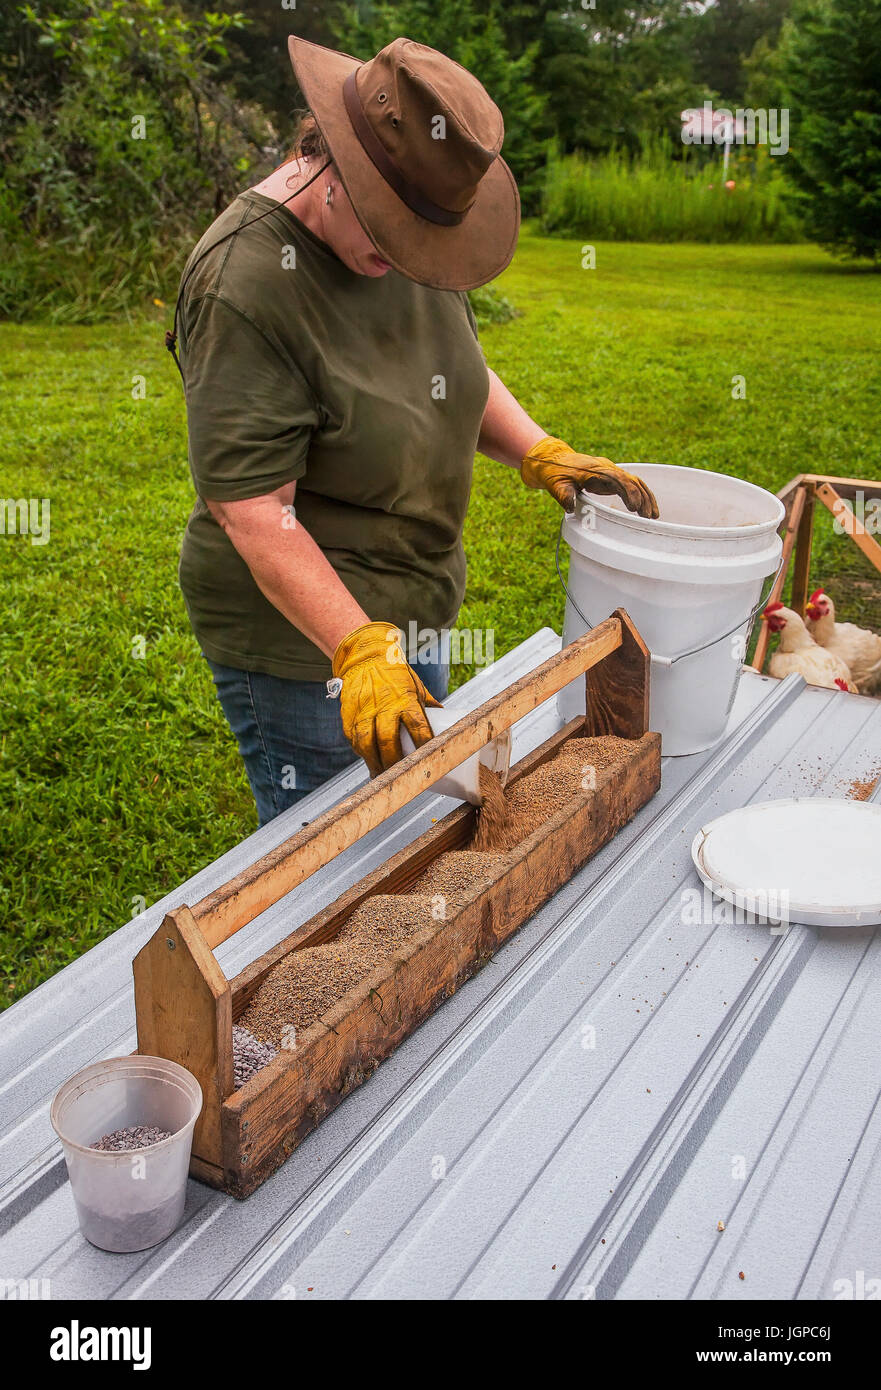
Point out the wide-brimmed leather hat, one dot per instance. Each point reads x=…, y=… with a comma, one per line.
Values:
x=416, y=139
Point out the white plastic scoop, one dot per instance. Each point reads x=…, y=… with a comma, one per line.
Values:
x=463, y=782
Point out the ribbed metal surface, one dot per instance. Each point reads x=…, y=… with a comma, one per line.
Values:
x=576, y=1120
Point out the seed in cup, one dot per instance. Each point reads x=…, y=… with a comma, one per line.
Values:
x=131, y=1137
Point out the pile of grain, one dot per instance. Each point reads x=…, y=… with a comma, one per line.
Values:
x=458, y=875
x=131, y=1137
x=249, y=1055
x=307, y=983
x=498, y=826
x=508, y=816
x=861, y=788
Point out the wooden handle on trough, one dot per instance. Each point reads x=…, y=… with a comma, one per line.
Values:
x=238, y=902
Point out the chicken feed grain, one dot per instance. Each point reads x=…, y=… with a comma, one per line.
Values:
x=131, y=1137
x=307, y=983
x=249, y=1055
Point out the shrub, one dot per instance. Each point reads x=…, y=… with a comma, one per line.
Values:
x=118, y=147
x=491, y=306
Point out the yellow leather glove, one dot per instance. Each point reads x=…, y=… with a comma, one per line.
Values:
x=380, y=692
x=553, y=465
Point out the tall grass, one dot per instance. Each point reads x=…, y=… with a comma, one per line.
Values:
x=653, y=197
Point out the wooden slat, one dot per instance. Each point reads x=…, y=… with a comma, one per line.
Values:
x=617, y=692
x=853, y=527
x=208, y=1173
x=183, y=1007
x=794, y=521
x=788, y=491
x=264, y=1122
x=801, y=568
x=845, y=487
x=235, y=904
x=798, y=495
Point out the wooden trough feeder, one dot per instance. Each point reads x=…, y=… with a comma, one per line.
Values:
x=186, y=1006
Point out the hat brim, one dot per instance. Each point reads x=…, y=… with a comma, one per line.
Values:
x=444, y=258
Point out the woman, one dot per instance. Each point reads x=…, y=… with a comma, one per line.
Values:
x=336, y=395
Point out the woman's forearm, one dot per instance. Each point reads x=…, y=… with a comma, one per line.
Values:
x=507, y=432
x=289, y=568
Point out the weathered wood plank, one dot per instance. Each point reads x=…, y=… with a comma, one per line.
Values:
x=801, y=563
x=183, y=1008
x=845, y=487
x=793, y=523
x=208, y=1173
x=617, y=693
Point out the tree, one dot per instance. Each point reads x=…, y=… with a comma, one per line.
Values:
x=118, y=144
x=618, y=73
x=257, y=66
x=472, y=33
x=831, y=69
x=724, y=36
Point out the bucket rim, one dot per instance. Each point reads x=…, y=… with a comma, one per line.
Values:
x=656, y=526
x=178, y=1075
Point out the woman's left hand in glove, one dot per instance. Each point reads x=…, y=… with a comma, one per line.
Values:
x=555, y=466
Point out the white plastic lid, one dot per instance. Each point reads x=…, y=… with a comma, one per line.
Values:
x=815, y=860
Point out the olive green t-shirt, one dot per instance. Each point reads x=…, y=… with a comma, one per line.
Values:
x=369, y=392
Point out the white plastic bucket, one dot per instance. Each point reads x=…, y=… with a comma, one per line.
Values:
x=690, y=581
x=462, y=781
x=134, y=1199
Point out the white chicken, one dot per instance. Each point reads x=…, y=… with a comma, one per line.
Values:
x=798, y=652
x=858, y=647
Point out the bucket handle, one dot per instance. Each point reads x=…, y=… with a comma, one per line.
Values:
x=671, y=660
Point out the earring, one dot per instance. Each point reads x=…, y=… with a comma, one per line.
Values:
x=328, y=197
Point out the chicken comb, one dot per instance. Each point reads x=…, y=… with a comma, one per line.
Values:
x=773, y=607
x=818, y=593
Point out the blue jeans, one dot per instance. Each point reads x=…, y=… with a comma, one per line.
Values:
x=290, y=735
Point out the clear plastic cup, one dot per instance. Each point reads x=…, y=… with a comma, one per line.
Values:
x=133, y=1199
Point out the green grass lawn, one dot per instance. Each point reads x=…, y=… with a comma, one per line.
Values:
x=119, y=775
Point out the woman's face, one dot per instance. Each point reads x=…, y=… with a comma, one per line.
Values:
x=343, y=232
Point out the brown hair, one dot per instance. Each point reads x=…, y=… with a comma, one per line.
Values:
x=308, y=141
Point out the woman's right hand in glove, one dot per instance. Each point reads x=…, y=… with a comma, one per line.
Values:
x=380, y=692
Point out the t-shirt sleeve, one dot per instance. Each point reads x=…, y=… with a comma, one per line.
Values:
x=250, y=412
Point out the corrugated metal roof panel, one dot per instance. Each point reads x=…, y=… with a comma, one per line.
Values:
x=577, y=1119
